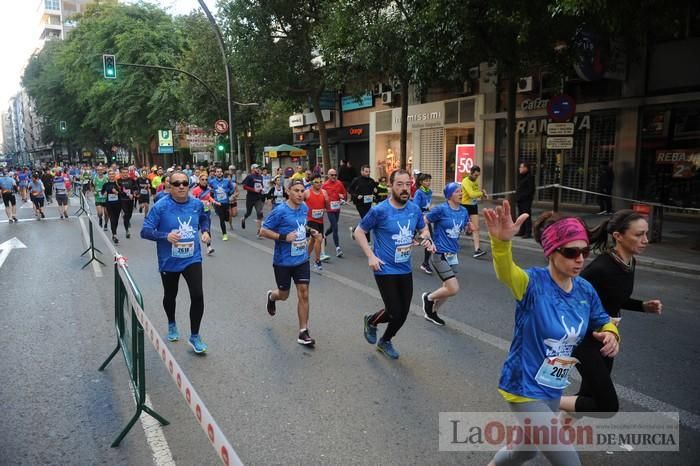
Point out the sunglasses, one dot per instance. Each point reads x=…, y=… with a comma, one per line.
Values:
x=317, y=182
x=573, y=253
x=177, y=184
x=332, y=174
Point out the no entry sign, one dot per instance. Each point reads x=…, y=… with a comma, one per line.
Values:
x=221, y=126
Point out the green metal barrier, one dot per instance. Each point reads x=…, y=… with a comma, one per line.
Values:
x=130, y=341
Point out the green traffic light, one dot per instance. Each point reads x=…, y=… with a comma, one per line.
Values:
x=110, y=71
x=221, y=147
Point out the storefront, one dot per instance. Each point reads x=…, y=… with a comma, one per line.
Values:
x=434, y=130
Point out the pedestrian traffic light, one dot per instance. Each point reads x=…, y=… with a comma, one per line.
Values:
x=109, y=63
x=62, y=126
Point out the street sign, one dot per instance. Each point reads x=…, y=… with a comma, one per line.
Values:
x=560, y=142
x=561, y=107
x=165, y=141
x=560, y=129
x=221, y=126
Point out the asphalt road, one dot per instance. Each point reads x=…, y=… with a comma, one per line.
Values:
x=280, y=403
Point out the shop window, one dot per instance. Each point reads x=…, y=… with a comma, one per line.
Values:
x=466, y=111
x=384, y=121
x=602, y=149
x=451, y=112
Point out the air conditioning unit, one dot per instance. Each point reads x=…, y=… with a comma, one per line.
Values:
x=387, y=98
x=525, y=84
x=380, y=88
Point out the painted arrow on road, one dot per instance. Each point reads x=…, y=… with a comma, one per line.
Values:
x=8, y=246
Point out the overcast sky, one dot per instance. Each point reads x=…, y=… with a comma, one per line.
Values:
x=19, y=32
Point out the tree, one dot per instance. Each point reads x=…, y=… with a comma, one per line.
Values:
x=275, y=50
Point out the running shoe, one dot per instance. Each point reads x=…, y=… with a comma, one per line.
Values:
x=243, y=223
x=15, y=219
x=128, y=234
x=197, y=344
x=173, y=332
x=325, y=257
x=434, y=318
x=115, y=240
x=427, y=304
x=100, y=219
x=104, y=228
x=318, y=267
x=210, y=250
x=478, y=253
x=305, y=339
x=42, y=215
x=271, y=307
x=426, y=268
x=338, y=252
x=370, y=330
x=388, y=349
x=225, y=237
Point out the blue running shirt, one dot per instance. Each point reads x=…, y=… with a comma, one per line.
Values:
x=188, y=218
x=394, y=230
x=448, y=223
x=284, y=220
x=221, y=189
x=423, y=198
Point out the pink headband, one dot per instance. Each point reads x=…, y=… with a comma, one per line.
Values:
x=561, y=232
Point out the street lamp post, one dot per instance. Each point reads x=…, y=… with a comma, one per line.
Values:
x=220, y=40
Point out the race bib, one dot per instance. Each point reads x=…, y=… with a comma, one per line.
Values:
x=220, y=194
x=451, y=258
x=127, y=192
x=279, y=200
x=112, y=197
x=143, y=192
x=368, y=198
x=183, y=249
x=554, y=372
x=402, y=254
x=258, y=187
x=299, y=247
x=335, y=205
x=317, y=213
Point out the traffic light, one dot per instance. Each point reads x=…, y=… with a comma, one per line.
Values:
x=62, y=126
x=222, y=145
x=109, y=63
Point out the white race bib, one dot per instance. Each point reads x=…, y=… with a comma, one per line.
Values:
x=402, y=254
x=258, y=187
x=144, y=191
x=554, y=372
x=299, y=247
x=112, y=197
x=335, y=205
x=220, y=194
x=451, y=258
x=183, y=249
x=279, y=200
x=368, y=198
x=317, y=213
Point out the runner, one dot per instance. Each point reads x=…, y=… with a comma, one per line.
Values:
x=471, y=194
x=144, y=197
x=173, y=223
x=128, y=191
x=156, y=181
x=204, y=194
x=36, y=189
x=362, y=189
x=233, y=199
x=612, y=276
x=382, y=190
x=336, y=196
x=422, y=198
x=113, y=204
x=555, y=309
x=47, y=179
x=100, y=199
x=395, y=222
x=277, y=194
x=222, y=189
x=316, y=200
x=449, y=220
x=23, y=178
x=7, y=187
x=253, y=184
x=61, y=185
x=286, y=225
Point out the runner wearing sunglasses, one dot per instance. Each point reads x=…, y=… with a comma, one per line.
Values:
x=316, y=199
x=612, y=276
x=555, y=309
x=336, y=196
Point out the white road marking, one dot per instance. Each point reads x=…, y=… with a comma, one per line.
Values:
x=7, y=247
x=687, y=418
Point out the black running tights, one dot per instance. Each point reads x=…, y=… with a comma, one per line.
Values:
x=396, y=291
x=597, y=393
x=114, y=210
x=193, y=277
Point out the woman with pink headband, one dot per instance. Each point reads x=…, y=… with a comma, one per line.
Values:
x=554, y=311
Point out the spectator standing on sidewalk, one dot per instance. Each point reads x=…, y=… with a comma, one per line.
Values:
x=606, y=177
x=524, y=195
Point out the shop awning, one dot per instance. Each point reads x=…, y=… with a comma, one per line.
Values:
x=284, y=150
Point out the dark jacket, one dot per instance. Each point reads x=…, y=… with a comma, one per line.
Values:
x=346, y=174
x=526, y=187
x=605, y=179
x=362, y=186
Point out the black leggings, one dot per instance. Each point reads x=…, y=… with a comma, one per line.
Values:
x=128, y=209
x=597, y=393
x=193, y=277
x=396, y=291
x=223, y=211
x=362, y=209
x=426, y=254
x=114, y=210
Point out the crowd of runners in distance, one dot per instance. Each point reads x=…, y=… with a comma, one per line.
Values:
x=567, y=313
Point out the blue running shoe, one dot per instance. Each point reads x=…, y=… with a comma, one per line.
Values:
x=370, y=331
x=173, y=332
x=197, y=344
x=388, y=349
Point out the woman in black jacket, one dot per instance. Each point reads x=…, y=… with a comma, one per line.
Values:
x=612, y=276
x=524, y=195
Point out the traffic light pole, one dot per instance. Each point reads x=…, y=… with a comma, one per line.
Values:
x=227, y=68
